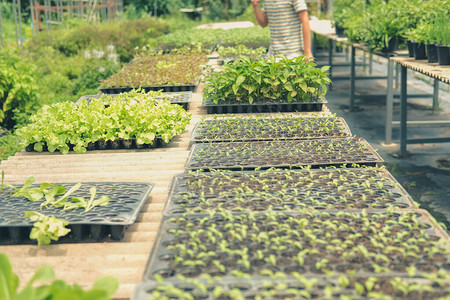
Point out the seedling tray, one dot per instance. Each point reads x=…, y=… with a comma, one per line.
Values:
x=126, y=201
x=111, y=145
x=282, y=154
x=314, y=287
x=164, y=88
x=286, y=190
x=262, y=107
x=262, y=129
x=368, y=243
x=183, y=99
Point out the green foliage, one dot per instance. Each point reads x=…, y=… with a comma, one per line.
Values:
x=124, y=36
x=9, y=145
x=263, y=79
x=45, y=228
x=252, y=37
x=150, y=69
x=439, y=30
x=382, y=21
x=18, y=90
x=103, y=288
x=240, y=50
x=133, y=115
x=344, y=10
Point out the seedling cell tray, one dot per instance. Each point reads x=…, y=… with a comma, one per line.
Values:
x=183, y=99
x=111, y=145
x=286, y=190
x=282, y=154
x=313, y=287
x=262, y=107
x=126, y=201
x=260, y=129
x=366, y=243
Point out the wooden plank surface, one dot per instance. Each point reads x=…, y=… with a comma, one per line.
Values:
x=434, y=70
x=82, y=263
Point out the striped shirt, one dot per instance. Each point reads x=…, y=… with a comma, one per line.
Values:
x=285, y=27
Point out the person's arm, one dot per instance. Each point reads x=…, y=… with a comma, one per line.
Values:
x=304, y=19
x=261, y=16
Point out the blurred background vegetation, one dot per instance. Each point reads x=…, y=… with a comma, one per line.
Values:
x=45, y=66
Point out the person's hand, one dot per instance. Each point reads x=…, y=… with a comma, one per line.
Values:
x=255, y=2
x=309, y=56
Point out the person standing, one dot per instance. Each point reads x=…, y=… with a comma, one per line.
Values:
x=288, y=22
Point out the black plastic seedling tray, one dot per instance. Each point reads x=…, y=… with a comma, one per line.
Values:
x=286, y=190
x=111, y=145
x=261, y=107
x=164, y=88
x=183, y=99
x=264, y=129
x=126, y=201
x=282, y=154
x=313, y=287
x=364, y=243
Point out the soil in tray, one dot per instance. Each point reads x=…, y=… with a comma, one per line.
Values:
x=102, y=222
x=286, y=190
x=290, y=153
x=367, y=243
x=263, y=128
x=318, y=287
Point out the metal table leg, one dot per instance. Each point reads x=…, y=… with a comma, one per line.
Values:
x=403, y=111
x=330, y=57
x=352, y=80
x=436, y=95
x=389, y=102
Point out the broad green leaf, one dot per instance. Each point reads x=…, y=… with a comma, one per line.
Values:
x=108, y=284
x=9, y=281
x=240, y=80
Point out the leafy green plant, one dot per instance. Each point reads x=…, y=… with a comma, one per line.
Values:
x=18, y=89
x=134, y=115
x=102, y=289
x=46, y=228
x=262, y=80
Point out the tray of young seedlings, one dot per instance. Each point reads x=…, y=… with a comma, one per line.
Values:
x=266, y=84
x=262, y=128
x=129, y=120
x=179, y=71
x=70, y=211
x=295, y=286
x=286, y=190
x=365, y=243
x=181, y=98
x=282, y=154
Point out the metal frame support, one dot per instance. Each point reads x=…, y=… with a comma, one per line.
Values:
x=352, y=79
x=330, y=56
x=389, y=102
x=436, y=95
x=403, y=110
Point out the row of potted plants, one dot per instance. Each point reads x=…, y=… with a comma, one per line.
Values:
x=133, y=119
x=384, y=25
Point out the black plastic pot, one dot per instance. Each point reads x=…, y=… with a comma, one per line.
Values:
x=443, y=55
x=432, y=53
x=339, y=30
x=410, y=48
x=419, y=51
x=392, y=46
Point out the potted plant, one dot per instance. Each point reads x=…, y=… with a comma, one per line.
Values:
x=440, y=34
